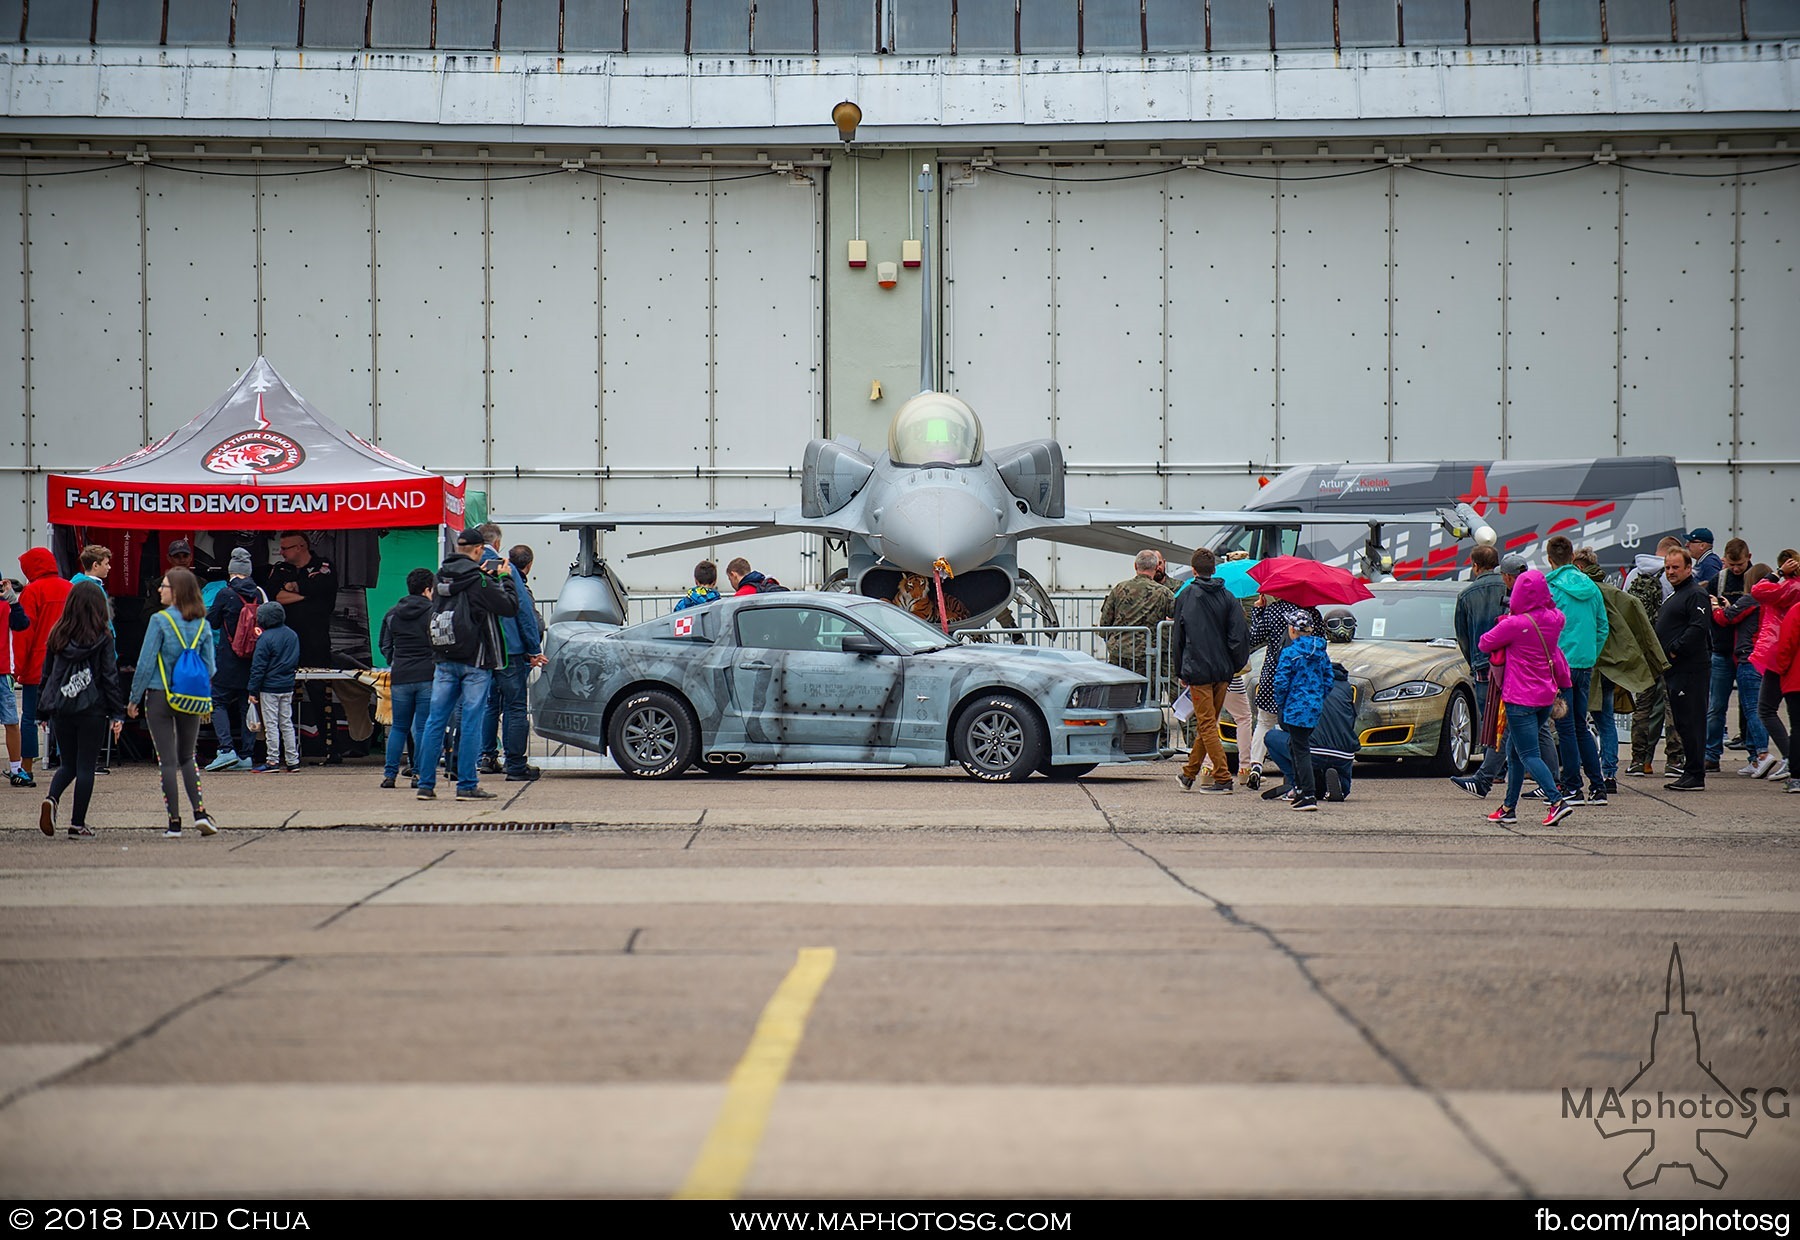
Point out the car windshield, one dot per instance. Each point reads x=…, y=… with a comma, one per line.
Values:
x=1403, y=615
x=904, y=629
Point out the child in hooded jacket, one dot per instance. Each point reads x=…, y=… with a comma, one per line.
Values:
x=1536, y=674
x=1302, y=679
x=272, y=671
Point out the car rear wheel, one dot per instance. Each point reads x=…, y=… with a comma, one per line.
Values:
x=999, y=739
x=1068, y=771
x=1456, y=742
x=653, y=735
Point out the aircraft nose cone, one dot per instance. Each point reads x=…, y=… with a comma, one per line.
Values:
x=939, y=521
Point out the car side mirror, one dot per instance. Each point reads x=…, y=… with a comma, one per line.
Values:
x=861, y=643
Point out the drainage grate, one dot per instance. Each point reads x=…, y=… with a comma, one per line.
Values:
x=442, y=827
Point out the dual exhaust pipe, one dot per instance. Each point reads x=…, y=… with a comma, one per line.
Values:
x=725, y=759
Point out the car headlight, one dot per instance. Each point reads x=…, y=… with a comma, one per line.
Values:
x=1408, y=690
x=1089, y=697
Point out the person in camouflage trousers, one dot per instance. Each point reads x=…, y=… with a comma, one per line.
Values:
x=1138, y=601
x=1651, y=706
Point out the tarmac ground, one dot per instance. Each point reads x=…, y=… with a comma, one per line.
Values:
x=835, y=985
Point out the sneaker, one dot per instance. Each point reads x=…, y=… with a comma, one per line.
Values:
x=1504, y=816
x=1765, y=765
x=1536, y=794
x=226, y=759
x=295, y=768
x=525, y=776
x=406, y=772
x=414, y=782
x=1612, y=785
x=1597, y=797
x=265, y=768
x=1559, y=811
x=1253, y=780
x=1748, y=770
x=1187, y=784
x=21, y=779
x=490, y=765
x=1304, y=803
x=174, y=831
x=1216, y=787
x=1682, y=785
x=1639, y=770
x=1280, y=792
x=1781, y=771
x=1573, y=799
x=1334, y=786
x=206, y=825
x=1471, y=784
x=47, y=818
x=80, y=831
x=475, y=794
x=426, y=794
x=388, y=782
x=242, y=764
x=1712, y=764
x=1793, y=785
x=1736, y=742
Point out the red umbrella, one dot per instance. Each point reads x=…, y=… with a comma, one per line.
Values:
x=1307, y=583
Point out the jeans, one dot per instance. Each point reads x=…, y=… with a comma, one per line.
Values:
x=1600, y=710
x=411, y=703
x=279, y=734
x=506, y=709
x=1575, y=743
x=228, y=714
x=455, y=683
x=1727, y=672
x=1282, y=756
x=1522, y=724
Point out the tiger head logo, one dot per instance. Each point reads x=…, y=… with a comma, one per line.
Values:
x=255, y=452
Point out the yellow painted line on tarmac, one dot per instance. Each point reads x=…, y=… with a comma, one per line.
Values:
x=724, y=1161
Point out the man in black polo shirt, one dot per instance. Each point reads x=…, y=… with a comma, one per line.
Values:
x=307, y=585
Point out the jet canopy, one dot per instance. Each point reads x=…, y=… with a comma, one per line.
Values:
x=934, y=429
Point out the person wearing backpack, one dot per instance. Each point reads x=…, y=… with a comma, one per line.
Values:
x=80, y=697
x=233, y=616
x=273, y=671
x=173, y=684
x=746, y=580
x=468, y=604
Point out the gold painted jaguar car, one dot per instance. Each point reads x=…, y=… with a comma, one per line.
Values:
x=1415, y=696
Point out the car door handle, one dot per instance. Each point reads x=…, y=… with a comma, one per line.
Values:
x=759, y=667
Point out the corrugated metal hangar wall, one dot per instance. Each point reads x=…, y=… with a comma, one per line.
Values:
x=654, y=340
x=1181, y=330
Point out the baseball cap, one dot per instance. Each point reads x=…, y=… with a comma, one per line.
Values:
x=1702, y=534
x=471, y=537
x=1302, y=623
x=181, y=546
x=1512, y=563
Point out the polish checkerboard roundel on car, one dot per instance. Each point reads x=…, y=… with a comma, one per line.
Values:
x=684, y=626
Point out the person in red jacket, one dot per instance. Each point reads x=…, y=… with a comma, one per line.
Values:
x=1785, y=659
x=12, y=619
x=42, y=599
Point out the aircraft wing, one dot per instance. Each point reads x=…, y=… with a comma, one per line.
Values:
x=1106, y=538
x=731, y=524
x=1117, y=517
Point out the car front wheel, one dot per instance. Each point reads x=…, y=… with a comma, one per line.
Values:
x=999, y=738
x=1456, y=744
x=653, y=735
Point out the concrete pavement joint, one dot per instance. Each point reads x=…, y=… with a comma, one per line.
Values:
x=351, y=908
x=1382, y=1051
x=149, y=1030
x=290, y=817
x=698, y=824
x=631, y=943
x=260, y=835
x=1645, y=792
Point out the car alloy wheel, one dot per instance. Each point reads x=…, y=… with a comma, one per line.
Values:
x=652, y=735
x=1456, y=748
x=999, y=738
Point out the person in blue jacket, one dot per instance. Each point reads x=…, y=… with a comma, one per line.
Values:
x=272, y=678
x=1302, y=681
x=179, y=627
x=506, y=715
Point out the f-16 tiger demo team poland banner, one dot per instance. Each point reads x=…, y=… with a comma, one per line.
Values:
x=260, y=457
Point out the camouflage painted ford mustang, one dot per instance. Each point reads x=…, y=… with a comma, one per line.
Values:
x=827, y=677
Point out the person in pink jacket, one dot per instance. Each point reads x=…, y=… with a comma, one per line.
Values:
x=1536, y=673
x=1777, y=596
x=1785, y=660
